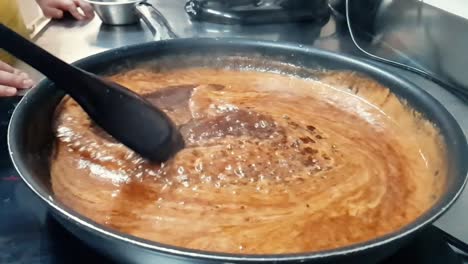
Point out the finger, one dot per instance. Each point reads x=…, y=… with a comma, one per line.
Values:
x=27, y=81
x=21, y=81
x=6, y=67
x=87, y=9
x=71, y=7
x=7, y=91
x=76, y=13
x=52, y=12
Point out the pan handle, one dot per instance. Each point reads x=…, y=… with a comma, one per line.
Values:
x=155, y=21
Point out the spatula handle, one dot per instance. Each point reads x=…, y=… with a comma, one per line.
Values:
x=52, y=67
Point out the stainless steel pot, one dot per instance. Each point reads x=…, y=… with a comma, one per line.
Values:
x=116, y=12
x=127, y=12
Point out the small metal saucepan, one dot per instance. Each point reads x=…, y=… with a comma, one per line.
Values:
x=127, y=12
x=117, y=12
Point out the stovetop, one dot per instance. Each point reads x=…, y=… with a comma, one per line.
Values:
x=29, y=234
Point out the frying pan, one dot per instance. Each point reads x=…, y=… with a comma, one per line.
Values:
x=30, y=139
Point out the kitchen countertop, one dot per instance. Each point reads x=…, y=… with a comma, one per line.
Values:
x=73, y=40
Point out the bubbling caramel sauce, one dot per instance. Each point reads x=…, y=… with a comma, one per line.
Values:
x=273, y=163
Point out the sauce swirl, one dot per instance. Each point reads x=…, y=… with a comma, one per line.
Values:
x=273, y=163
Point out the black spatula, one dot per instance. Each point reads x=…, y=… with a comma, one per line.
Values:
x=122, y=113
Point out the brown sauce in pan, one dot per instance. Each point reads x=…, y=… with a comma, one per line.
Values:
x=273, y=163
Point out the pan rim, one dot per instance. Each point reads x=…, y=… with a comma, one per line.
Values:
x=426, y=218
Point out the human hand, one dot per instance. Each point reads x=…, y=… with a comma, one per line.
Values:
x=55, y=8
x=12, y=80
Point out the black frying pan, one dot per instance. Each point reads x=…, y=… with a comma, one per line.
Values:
x=30, y=138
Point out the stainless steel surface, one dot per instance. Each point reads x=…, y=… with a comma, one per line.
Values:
x=116, y=12
x=71, y=40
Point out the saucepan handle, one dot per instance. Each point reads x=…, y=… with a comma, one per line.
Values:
x=155, y=21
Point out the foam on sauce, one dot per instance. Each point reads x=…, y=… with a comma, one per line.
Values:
x=273, y=163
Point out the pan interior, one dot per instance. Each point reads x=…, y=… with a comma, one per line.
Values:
x=324, y=160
